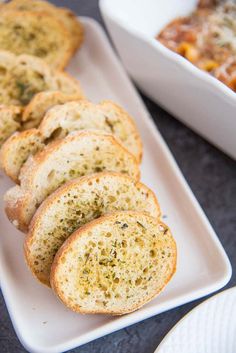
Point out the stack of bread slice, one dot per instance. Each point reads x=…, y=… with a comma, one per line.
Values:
x=93, y=229
x=73, y=139
x=62, y=119
x=78, y=154
x=76, y=203
x=37, y=41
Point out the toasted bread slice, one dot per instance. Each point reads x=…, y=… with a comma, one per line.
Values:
x=43, y=101
x=114, y=264
x=63, y=119
x=36, y=33
x=9, y=121
x=68, y=18
x=67, y=84
x=23, y=76
x=16, y=150
x=77, y=202
x=78, y=154
x=106, y=116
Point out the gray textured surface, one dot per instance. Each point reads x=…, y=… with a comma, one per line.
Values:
x=212, y=177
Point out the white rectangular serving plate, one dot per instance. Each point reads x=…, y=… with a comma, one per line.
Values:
x=41, y=322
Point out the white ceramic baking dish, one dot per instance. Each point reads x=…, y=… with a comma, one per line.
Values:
x=191, y=95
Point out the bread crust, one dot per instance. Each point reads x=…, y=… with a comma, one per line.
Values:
x=87, y=227
x=107, y=104
x=15, y=209
x=76, y=27
x=68, y=84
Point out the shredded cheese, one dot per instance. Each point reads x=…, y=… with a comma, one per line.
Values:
x=207, y=38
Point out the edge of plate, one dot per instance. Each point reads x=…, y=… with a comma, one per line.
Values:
x=204, y=303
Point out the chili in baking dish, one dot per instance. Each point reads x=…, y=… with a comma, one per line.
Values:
x=207, y=38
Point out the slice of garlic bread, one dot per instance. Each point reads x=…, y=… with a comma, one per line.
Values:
x=17, y=149
x=69, y=19
x=106, y=116
x=36, y=33
x=78, y=154
x=23, y=76
x=77, y=202
x=43, y=101
x=115, y=264
x=9, y=121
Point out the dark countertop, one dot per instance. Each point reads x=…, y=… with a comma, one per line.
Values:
x=212, y=177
